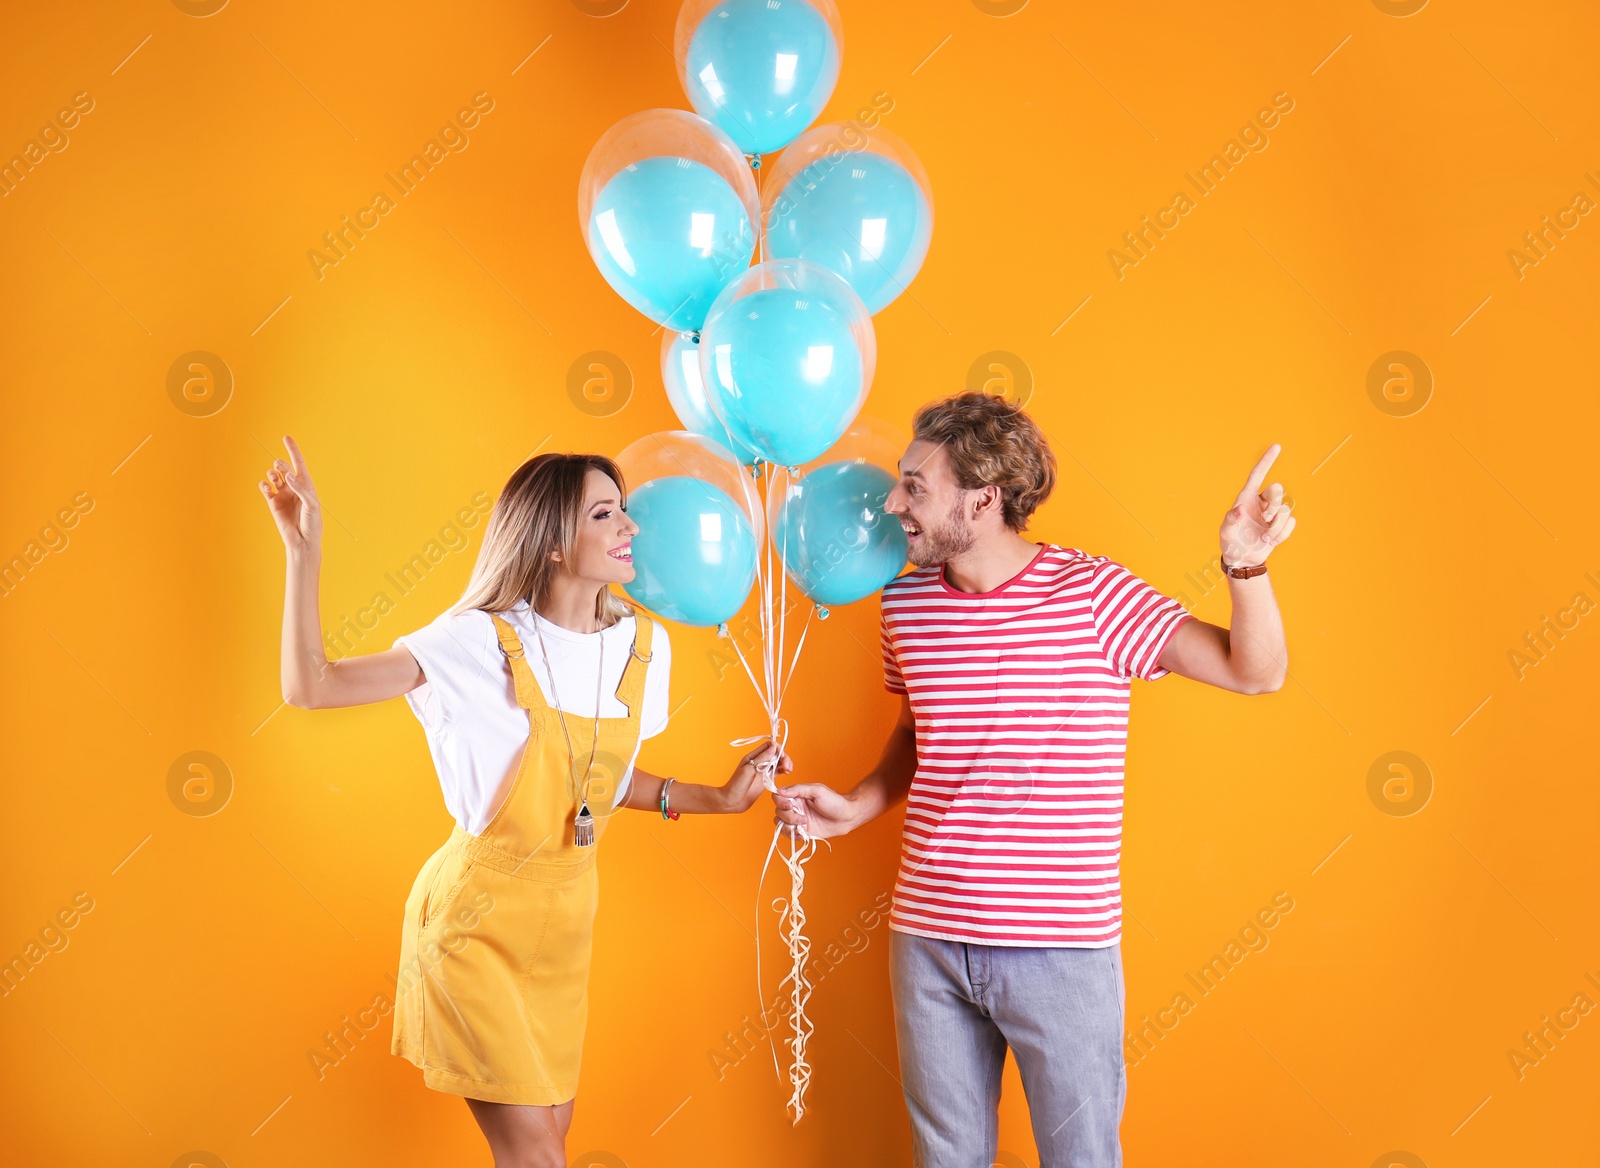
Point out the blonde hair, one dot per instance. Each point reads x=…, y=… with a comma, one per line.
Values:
x=992, y=442
x=538, y=513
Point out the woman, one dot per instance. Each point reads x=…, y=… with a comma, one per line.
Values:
x=531, y=689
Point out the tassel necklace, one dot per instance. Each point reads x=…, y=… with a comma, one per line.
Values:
x=583, y=825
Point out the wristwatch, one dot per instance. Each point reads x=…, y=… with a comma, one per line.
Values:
x=1241, y=571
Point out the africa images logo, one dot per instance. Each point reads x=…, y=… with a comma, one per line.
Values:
x=1399, y=783
x=599, y=383
x=1400, y=383
x=200, y=384
x=199, y=784
x=1002, y=374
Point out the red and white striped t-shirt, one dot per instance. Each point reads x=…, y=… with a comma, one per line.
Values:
x=1013, y=828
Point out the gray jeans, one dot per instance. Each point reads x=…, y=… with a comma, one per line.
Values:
x=957, y=1007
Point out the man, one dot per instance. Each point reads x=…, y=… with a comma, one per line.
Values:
x=1015, y=660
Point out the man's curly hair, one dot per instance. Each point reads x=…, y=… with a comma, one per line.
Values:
x=992, y=442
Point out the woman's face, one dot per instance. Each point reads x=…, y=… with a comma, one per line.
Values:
x=604, y=550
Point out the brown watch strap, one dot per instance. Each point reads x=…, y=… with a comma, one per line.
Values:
x=1242, y=572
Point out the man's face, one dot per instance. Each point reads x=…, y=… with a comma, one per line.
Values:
x=930, y=505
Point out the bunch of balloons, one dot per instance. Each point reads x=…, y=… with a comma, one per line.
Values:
x=772, y=362
x=766, y=365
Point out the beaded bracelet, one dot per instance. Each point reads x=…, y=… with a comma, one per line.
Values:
x=666, y=812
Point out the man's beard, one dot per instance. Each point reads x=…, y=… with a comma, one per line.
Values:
x=939, y=545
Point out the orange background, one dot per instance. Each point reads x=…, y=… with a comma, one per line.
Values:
x=420, y=370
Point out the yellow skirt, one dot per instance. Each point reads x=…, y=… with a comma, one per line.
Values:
x=492, y=997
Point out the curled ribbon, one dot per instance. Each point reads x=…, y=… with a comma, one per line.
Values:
x=791, y=916
x=791, y=924
x=768, y=769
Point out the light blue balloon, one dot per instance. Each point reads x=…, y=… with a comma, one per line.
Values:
x=834, y=536
x=761, y=70
x=783, y=370
x=694, y=556
x=669, y=234
x=686, y=392
x=860, y=214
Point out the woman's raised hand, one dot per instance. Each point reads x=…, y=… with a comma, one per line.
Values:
x=292, y=499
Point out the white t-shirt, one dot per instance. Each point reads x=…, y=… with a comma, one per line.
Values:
x=468, y=705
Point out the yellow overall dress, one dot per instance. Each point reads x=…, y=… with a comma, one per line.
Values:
x=493, y=991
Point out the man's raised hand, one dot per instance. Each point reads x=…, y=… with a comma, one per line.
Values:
x=1259, y=520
